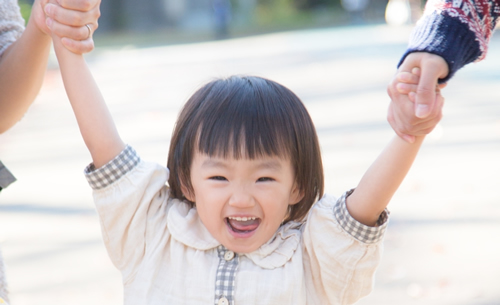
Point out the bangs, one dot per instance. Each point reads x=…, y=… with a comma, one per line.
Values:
x=247, y=117
x=247, y=120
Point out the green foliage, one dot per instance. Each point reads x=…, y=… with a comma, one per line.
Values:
x=297, y=13
x=25, y=9
x=311, y=4
x=276, y=11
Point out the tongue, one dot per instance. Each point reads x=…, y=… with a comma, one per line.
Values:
x=248, y=225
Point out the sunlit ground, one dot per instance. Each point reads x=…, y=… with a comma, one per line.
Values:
x=442, y=242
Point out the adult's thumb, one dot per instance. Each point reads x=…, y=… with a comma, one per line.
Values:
x=426, y=97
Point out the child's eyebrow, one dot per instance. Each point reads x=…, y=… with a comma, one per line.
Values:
x=268, y=164
x=213, y=163
x=272, y=164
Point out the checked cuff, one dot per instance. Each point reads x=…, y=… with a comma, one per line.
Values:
x=361, y=232
x=115, y=169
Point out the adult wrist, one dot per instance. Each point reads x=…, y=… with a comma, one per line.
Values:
x=446, y=37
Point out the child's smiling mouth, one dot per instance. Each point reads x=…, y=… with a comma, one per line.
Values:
x=242, y=227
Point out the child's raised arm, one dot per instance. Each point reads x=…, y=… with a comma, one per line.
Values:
x=385, y=175
x=96, y=124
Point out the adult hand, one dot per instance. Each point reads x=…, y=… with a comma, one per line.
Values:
x=411, y=114
x=74, y=21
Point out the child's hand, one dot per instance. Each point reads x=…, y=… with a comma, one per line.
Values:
x=406, y=86
x=407, y=83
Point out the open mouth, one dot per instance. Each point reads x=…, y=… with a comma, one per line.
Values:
x=242, y=226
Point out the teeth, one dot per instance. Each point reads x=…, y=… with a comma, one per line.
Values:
x=242, y=218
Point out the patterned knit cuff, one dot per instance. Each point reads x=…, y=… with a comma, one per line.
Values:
x=361, y=232
x=113, y=170
x=6, y=177
x=447, y=37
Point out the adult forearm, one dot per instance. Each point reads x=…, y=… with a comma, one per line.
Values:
x=22, y=68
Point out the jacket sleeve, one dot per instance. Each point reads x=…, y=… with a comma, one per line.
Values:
x=132, y=202
x=340, y=254
x=11, y=23
x=457, y=30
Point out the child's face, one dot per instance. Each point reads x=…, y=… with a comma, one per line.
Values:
x=242, y=202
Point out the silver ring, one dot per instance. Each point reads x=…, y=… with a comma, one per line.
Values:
x=90, y=31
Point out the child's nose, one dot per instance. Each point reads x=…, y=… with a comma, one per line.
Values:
x=241, y=198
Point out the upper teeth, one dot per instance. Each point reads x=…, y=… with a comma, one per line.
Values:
x=242, y=218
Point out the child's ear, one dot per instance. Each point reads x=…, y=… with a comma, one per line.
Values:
x=296, y=195
x=187, y=193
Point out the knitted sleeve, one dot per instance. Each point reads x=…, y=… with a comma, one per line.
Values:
x=457, y=30
x=11, y=23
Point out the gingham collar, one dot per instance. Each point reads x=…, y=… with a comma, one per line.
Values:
x=187, y=228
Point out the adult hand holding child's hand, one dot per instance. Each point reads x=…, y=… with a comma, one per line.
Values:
x=74, y=21
x=416, y=103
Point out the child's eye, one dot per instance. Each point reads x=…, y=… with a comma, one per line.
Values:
x=218, y=178
x=265, y=179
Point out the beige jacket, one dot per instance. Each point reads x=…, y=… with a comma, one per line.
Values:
x=167, y=256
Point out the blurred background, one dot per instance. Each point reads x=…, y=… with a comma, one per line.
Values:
x=442, y=245
x=157, y=22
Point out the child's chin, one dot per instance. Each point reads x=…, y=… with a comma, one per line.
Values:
x=242, y=246
x=242, y=249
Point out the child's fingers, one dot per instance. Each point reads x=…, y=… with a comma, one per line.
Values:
x=412, y=96
x=439, y=100
x=416, y=71
x=425, y=127
x=407, y=77
x=441, y=86
x=406, y=88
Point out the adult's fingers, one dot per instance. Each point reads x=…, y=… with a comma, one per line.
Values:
x=71, y=17
x=426, y=92
x=79, y=5
x=432, y=67
x=71, y=32
x=78, y=46
x=38, y=16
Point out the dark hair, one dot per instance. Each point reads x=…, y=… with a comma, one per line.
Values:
x=255, y=114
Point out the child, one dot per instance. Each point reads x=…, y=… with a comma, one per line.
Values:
x=243, y=219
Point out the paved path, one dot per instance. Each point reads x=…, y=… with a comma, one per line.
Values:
x=442, y=246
